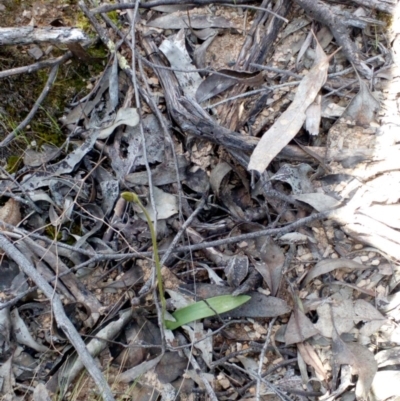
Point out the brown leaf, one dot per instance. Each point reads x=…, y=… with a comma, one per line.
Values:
x=236, y=270
x=271, y=270
x=35, y=159
x=289, y=123
x=299, y=328
x=10, y=212
x=363, y=106
x=327, y=265
x=313, y=116
x=311, y=358
x=216, y=84
x=361, y=360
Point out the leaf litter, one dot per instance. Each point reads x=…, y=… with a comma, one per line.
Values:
x=212, y=183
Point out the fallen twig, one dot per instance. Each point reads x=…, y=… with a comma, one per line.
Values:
x=61, y=318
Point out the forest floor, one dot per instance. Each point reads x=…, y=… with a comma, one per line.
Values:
x=206, y=196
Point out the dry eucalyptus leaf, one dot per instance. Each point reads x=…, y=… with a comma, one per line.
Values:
x=214, y=278
x=318, y=201
x=313, y=117
x=372, y=318
x=217, y=176
x=250, y=364
x=179, y=21
x=9, y=271
x=174, y=48
x=212, y=86
x=196, y=332
x=364, y=311
x=362, y=363
x=10, y=213
x=22, y=334
x=304, y=47
x=299, y=328
x=128, y=116
x=342, y=313
x=296, y=238
x=200, y=54
x=289, y=123
x=274, y=260
x=7, y=378
x=215, y=84
x=139, y=330
x=204, y=34
x=166, y=205
x=171, y=366
x=35, y=159
x=363, y=106
x=236, y=270
x=311, y=358
x=295, y=25
x=328, y=265
x=131, y=374
x=41, y=178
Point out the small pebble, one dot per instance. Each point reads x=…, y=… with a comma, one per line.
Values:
x=330, y=234
x=339, y=235
x=357, y=259
x=371, y=255
x=328, y=250
x=259, y=329
x=386, y=269
x=306, y=257
x=334, y=255
x=358, y=246
x=375, y=262
x=364, y=258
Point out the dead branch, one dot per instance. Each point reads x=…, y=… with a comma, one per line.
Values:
x=36, y=66
x=337, y=25
x=61, y=318
x=27, y=34
x=386, y=6
x=155, y=3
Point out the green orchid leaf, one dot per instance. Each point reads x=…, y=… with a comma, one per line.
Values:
x=206, y=308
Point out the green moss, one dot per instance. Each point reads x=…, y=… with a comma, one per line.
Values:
x=83, y=23
x=385, y=17
x=13, y=164
x=114, y=17
x=98, y=51
x=20, y=92
x=53, y=233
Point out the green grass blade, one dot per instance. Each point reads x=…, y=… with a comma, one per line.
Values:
x=207, y=308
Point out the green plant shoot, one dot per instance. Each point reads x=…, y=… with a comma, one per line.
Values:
x=132, y=197
x=206, y=308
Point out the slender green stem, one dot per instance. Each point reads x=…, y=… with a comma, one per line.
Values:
x=132, y=197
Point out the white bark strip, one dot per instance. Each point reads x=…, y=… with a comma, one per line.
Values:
x=26, y=34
